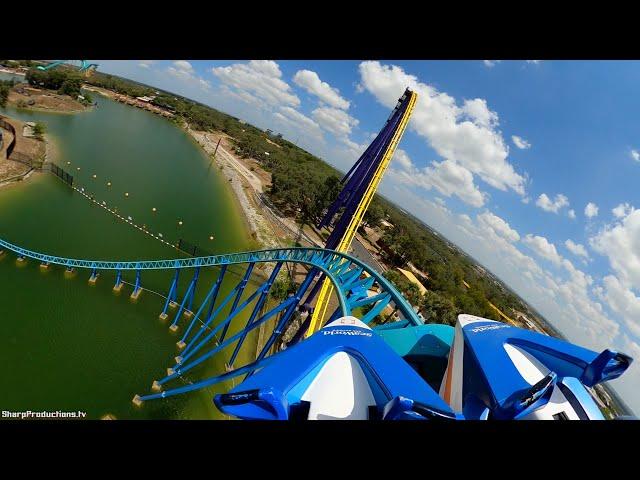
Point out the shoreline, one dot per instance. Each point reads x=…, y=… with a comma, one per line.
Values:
x=259, y=228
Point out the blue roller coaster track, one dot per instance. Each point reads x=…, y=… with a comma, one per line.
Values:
x=84, y=65
x=357, y=286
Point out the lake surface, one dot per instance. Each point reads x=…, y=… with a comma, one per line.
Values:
x=65, y=345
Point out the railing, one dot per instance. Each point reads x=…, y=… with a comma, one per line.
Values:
x=7, y=126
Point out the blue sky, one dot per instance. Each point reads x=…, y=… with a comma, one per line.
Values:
x=530, y=166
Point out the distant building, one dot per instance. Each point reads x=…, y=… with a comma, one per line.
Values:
x=145, y=99
x=279, y=135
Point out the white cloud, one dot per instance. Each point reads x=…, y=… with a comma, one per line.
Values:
x=520, y=142
x=535, y=62
x=491, y=63
x=334, y=120
x=635, y=154
x=545, y=203
x=146, y=63
x=576, y=248
x=478, y=112
x=243, y=96
x=591, y=210
x=354, y=149
x=299, y=121
x=622, y=210
x=184, y=71
x=620, y=243
x=543, y=248
x=466, y=135
x=571, y=213
x=183, y=65
x=261, y=78
x=624, y=302
x=447, y=177
x=401, y=158
x=498, y=225
x=311, y=82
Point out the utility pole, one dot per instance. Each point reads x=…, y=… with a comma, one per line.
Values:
x=215, y=151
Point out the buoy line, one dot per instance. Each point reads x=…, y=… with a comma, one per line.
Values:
x=103, y=204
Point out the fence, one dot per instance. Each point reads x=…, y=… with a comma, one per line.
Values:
x=7, y=126
x=17, y=156
x=61, y=174
x=192, y=249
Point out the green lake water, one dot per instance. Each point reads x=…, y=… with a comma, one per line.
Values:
x=65, y=345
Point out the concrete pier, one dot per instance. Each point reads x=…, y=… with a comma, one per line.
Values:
x=156, y=387
x=163, y=316
x=173, y=328
x=137, y=401
x=93, y=279
x=135, y=294
x=170, y=371
x=178, y=359
x=181, y=344
x=173, y=304
x=188, y=314
x=44, y=266
x=118, y=287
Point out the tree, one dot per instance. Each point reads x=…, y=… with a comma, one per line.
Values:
x=409, y=290
x=71, y=86
x=38, y=130
x=374, y=215
x=5, y=87
x=281, y=289
x=437, y=309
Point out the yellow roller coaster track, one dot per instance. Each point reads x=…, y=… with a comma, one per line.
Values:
x=345, y=243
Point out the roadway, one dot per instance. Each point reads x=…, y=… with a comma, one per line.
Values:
x=359, y=251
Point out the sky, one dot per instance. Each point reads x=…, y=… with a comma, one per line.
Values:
x=530, y=166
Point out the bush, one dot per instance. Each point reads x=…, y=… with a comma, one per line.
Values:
x=39, y=130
